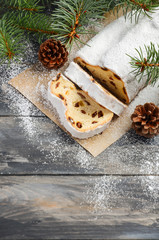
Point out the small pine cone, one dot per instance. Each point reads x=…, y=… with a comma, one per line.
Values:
x=146, y=120
x=52, y=54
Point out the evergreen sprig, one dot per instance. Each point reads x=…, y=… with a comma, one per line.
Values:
x=71, y=17
x=20, y=17
x=146, y=63
x=10, y=49
x=133, y=9
x=67, y=22
x=22, y=5
x=38, y=25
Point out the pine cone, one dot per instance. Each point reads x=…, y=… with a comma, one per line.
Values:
x=146, y=120
x=52, y=54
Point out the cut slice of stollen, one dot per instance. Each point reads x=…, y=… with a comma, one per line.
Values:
x=78, y=113
x=94, y=89
x=110, y=63
x=107, y=79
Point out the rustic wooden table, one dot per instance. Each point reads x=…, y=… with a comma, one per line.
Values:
x=51, y=188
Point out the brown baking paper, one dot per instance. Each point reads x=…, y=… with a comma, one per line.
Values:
x=32, y=81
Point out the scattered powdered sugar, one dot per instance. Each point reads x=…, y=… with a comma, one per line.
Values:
x=84, y=159
x=42, y=92
x=16, y=102
x=150, y=186
x=150, y=164
x=101, y=193
x=29, y=127
x=110, y=193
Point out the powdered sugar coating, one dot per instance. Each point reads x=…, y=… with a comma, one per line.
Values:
x=109, y=48
x=104, y=40
x=117, y=59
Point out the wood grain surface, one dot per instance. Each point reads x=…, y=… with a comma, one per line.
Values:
x=51, y=188
x=62, y=208
x=35, y=145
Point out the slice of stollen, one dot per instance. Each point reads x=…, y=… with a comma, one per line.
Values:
x=78, y=113
x=110, y=63
x=94, y=89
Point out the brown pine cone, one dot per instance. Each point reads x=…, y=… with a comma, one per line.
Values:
x=52, y=54
x=146, y=120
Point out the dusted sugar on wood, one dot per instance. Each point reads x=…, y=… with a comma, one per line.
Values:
x=27, y=81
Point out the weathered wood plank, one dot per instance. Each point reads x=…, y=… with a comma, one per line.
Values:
x=35, y=145
x=11, y=101
x=79, y=208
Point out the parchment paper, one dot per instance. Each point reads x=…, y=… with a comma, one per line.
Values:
x=33, y=84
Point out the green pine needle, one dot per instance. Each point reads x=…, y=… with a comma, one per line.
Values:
x=71, y=17
x=133, y=9
x=30, y=6
x=146, y=64
x=10, y=49
x=67, y=23
x=39, y=25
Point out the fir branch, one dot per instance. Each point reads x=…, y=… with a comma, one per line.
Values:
x=135, y=8
x=22, y=5
x=71, y=17
x=9, y=49
x=47, y=3
x=68, y=21
x=146, y=64
x=4, y=40
x=39, y=25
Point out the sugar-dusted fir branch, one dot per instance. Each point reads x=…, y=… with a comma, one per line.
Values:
x=4, y=40
x=67, y=22
x=73, y=33
x=71, y=17
x=10, y=49
x=133, y=9
x=23, y=8
x=38, y=25
x=141, y=5
x=18, y=17
x=146, y=63
x=22, y=5
x=37, y=30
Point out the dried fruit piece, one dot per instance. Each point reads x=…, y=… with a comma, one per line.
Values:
x=58, y=76
x=57, y=85
x=77, y=104
x=79, y=125
x=82, y=111
x=82, y=96
x=100, y=114
x=87, y=102
x=94, y=122
x=71, y=120
x=94, y=114
x=60, y=96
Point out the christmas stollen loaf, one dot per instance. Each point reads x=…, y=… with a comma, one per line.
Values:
x=105, y=57
x=94, y=89
x=78, y=113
